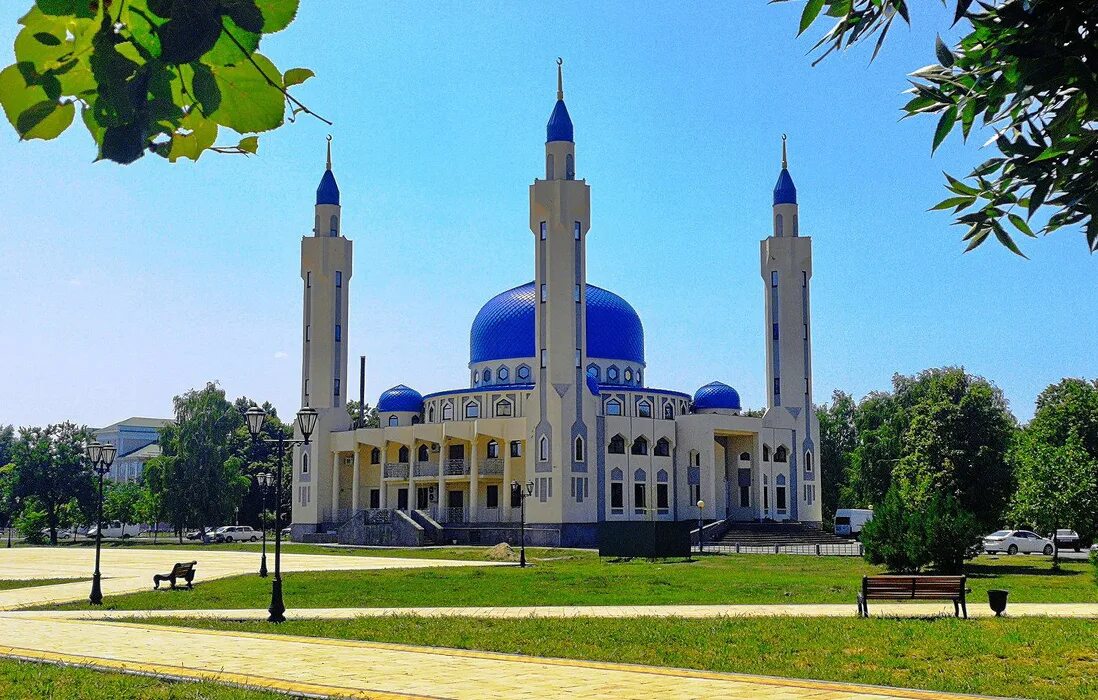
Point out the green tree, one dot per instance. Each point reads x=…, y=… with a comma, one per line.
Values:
x=371, y=419
x=165, y=76
x=907, y=538
x=122, y=502
x=50, y=469
x=879, y=422
x=259, y=456
x=1025, y=70
x=838, y=440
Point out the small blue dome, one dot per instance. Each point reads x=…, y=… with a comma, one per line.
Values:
x=328, y=191
x=504, y=327
x=400, y=398
x=785, y=192
x=716, y=395
x=559, y=127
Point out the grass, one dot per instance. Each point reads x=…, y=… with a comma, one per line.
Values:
x=573, y=577
x=1040, y=658
x=21, y=680
x=27, y=583
x=462, y=553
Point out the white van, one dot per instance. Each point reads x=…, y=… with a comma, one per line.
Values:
x=114, y=529
x=850, y=521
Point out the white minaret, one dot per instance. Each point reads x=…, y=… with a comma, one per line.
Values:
x=560, y=216
x=326, y=275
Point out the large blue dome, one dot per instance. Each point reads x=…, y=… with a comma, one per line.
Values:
x=400, y=398
x=504, y=327
x=716, y=395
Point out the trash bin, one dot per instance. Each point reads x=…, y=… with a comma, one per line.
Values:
x=997, y=599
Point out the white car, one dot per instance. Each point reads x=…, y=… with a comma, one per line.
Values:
x=1016, y=541
x=236, y=533
x=115, y=529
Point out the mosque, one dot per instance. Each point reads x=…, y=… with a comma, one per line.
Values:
x=556, y=401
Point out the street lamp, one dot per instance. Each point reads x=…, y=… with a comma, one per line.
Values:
x=306, y=423
x=701, y=532
x=519, y=493
x=101, y=456
x=264, y=479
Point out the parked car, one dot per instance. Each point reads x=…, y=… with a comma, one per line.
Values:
x=197, y=534
x=61, y=534
x=236, y=533
x=284, y=533
x=114, y=528
x=850, y=521
x=1016, y=541
x=1067, y=539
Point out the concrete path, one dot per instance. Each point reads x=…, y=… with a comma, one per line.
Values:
x=128, y=570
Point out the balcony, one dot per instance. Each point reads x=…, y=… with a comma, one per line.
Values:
x=425, y=469
x=493, y=466
x=396, y=470
x=456, y=467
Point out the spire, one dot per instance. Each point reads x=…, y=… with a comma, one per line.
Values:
x=559, y=127
x=328, y=191
x=560, y=78
x=785, y=160
x=330, y=151
x=785, y=192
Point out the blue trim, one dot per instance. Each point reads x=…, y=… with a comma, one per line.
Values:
x=494, y=388
x=641, y=390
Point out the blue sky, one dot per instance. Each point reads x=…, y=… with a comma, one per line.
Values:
x=124, y=286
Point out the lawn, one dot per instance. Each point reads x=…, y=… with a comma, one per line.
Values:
x=1042, y=658
x=21, y=680
x=463, y=553
x=27, y=583
x=573, y=577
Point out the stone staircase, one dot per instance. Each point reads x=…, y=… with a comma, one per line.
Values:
x=784, y=538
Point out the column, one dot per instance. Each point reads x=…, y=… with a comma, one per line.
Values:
x=381, y=477
x=441, y=494
x=505, y=490
x=473, y=487
x=355, y=481
x=335, y=487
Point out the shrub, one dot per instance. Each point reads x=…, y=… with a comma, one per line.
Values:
x=906, y=537
x=30, y=524
x=1094, y=561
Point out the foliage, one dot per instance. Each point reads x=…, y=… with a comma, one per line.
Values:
x=261, y=456
x=1025, y=70
x=122, y=502
x=50, y=468
x=907, y=537
x=159, y=75
x=838, y=439
x=890, y=538
x=7, y=440
x=31, y=522
x=1094, y=563
x=371, y=418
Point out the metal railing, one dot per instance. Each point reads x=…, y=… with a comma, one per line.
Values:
x=456, y=467
x=396, y=470
x=852, y=549
x=491, y=466
x=425, y=469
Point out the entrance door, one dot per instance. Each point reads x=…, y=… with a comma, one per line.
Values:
x=402, y=499
x=423, y=497
x=455, y=505
x=457, y=451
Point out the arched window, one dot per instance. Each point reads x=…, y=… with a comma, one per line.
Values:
x=639, y=475
x=613, y=407
x=668, y=411
x=472, y=410
x=663, y=447
x=487, y=376
x=808, y=462
x=745, y=456
x=423, y=454
x=780, y=454
x=503, y=374
x=415, y=420
x=778, y=225
x=593, y=371
x=304, y=462
x=375, y=456
x=697, y=459
x=640, y=446
x=493, y=449
x=503, y=409
x=393, y=421
x=448, y=411
x=617, y=445
x=570, y=167
x=644, y=408
x=431, y=413
x=543, y=449
x=579, y=448
x=548, y=166
x=524, y=372
x=766, y=453
x=640, y=380
x=612, y=374
x=334, y=230
x=617, y=493
x=628, y=375
x=476, y=377
x=402, y=454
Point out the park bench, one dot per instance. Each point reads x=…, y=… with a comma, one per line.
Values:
x=181, y=570
x=913, y=588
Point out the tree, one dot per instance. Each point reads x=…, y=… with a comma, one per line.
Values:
x=1026, y=70
x=908, y=538
x=371, y=420
x=838, y=440
x=122, y=502
x=258, y=456
x=50, y=469
x=151, y=75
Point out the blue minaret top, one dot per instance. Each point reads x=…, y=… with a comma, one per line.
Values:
x=785, y=192
x=328, y=191
x=559, y=127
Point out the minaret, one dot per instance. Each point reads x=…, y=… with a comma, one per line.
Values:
x=560, y=216
x=326, y=276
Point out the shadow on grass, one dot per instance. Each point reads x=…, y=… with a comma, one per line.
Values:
x=985, y=571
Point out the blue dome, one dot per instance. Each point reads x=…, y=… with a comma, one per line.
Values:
x=716, y=395
x=328, y=191
x=400, y=398
x=785, y=192
x=559, y=127
x=504, y=327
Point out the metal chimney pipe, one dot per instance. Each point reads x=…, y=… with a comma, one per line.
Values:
x=361, y=389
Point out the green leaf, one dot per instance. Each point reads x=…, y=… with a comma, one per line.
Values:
x=953, y=202
x=809, y=15
x=1021, y=225
x=197, y=135
x=45, y=120
x=1038, y=195
x=296, y=76
x=249, y=144
x=249, y=103
x=978, y=238
x=1006, y=240
x=226, y=50
x=22, y=88
x=123, y=144
x=187, y=38
x=945, y=125
x=244, y=13
x=945, y=56
x=277, y=14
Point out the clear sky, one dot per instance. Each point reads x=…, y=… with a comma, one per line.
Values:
x=124, y=286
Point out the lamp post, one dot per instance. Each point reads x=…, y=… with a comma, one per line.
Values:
x=517, y=491
x=306, y=423
x=13, y=506
x=701, y=532
x=264, y=480
x=101, y=457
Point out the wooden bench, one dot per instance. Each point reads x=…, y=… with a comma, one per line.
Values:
x=913, y=588
x=181, y=570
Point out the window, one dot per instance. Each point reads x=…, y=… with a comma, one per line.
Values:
x=774, y=331
x=579, y=357
x=613, y=407
x=375, y=498
x=431, y=413
x=628, y=375
x=617, y=445
x=516, y=448
x=487, y=376
x=476, y=377
x=339, y=279
x=576, y=228
x=778, y=225
x=309, y=279
x=640, y=446
x=415, y=420
x=491, y=497
x=780, y=454
x=503, y=374
x=804, y=278
x=402, y=455
x=780, y=498
x=663, y=448
x=661, y=498
x=576, y=293
x=548, y=166
x=393, y=421
x=493, y=449
x=339, y=333
x=423, y=454
x=304, y=462
x=745, y=497
x=569, y=167
x=544, y=358
x=773, y=278
x=579, y=449
x=472, y=410
x=638, y=498
x=524, y=372
x=503, y=409
x=544, y=291
x=612, y=374
x=544, y=230
x=766, y=453
x=640, y=380
x=806, y=331
x=808, y=462
x=335, y=387
x=697, y=459
x=695, y=494
x=593, y=371
x=668, y=411
x=745, y=456
x=809, y=494
x=543, y=449
x=777, y=386
x=447, y=411
x=617, y=502
x=644, y=408
x=308, y=332
x=375, y=456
